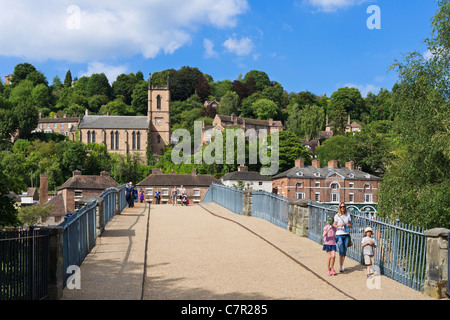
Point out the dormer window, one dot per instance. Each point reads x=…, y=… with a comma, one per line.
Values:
x=351, y=175
x=300, y=174
x=317, y=174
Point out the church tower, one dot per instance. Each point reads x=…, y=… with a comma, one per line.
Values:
x=158, y=117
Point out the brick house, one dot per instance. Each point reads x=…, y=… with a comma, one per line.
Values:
x=329, y=184
x=257, y=181
x=57, y=125
x=81, y=186
x=196, y=185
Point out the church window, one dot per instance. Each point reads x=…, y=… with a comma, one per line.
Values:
x=158, y=102
x=93, y=136
x=112, y=140
x=117, y=140
x=159, y=139
x=134, y=140
x=138, y=138
x=88, y=137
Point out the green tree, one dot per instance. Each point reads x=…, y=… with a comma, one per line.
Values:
x=34, y=215
x=68, y=80
x=265, y=109
x=124, y=86
x=340, y=120
x=416, y=186
x=139, y=98
x=228, y=104
x=340, y=148
x=260, y=77
x=351, y=100
x=98, y=84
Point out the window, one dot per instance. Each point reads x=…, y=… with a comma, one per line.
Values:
x=158, y=102
x=78, y=193
x=150, y=192
x=260, y=183
x=367, y=198
x=351, y=175
x=165, y=192
x=317, y=196
x=299, y=184
x=317, y=184
x=138, y=137
x=93, y=136
x=367, y=186
x=351, y=197
x=196, y=192
x=55, y=126
x=334, y=186
x=334, y=197
x=88, y=137
x=62, y=125
x=159, y=139
x=117, y=140
x=300, y=195
x=317, y=174
x=351, y=185
x=133, y=135
x=112, y=140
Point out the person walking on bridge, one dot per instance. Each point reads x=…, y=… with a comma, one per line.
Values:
x=343, y=223
x=329, y=245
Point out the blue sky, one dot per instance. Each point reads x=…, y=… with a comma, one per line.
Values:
x=314, y=45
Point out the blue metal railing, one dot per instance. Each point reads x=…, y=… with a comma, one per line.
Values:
x=229, y=198
x=80, y=228
x=271, y=207
x=401, y=249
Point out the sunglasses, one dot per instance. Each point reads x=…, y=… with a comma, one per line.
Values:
x=342, y=207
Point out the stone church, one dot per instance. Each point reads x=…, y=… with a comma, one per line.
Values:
x=131, y=134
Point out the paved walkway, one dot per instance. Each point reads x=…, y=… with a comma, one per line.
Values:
x=208, y=253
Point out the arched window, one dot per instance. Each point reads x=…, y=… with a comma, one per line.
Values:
x=158, y=102
x=138, y=136
x=112, y=140
x=117, y=140
x=93, y=136
x=334, y=186
x=159, y=138
x=133, y=135
x=88, y=137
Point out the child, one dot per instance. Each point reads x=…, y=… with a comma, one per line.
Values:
x=329, y=245
x=368, y=243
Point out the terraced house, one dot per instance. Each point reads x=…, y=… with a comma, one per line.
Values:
x=330, y=184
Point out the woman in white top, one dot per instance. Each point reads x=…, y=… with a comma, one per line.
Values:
x=343, y=223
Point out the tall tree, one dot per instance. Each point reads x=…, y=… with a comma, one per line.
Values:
x=416, y=187
x=68, y=80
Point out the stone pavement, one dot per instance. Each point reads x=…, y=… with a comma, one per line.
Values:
x=205, y=252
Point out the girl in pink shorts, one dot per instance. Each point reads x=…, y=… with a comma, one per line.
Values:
x=329, y=245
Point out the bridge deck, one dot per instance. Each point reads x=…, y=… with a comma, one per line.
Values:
x=207, y=252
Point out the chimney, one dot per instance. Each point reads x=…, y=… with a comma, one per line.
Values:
x=156, y=171
x=76, y=173
x=316, y=163
x=270, y=122
x=43, y=190
x=242, y=168
x=350, y=165
x=55, y=116
x=104, y=174
x=327, y=121
x=86, y=112
x=40, y=114
x=333, y=164
x=65, y=115
x=300, y=163
x=194, y=171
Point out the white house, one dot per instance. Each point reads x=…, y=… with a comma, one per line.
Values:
x=255, y=180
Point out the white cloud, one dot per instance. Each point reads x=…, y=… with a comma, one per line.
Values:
x=332, y=5
x=241, y=47
x=364, y=88
x=209, y=49
x=92, y=30
x=111, y=72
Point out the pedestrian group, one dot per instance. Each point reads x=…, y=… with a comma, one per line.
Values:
x=336, y=236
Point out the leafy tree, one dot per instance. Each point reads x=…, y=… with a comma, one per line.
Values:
x=139, y=98
x=340, y=120
x=312, y=120
x=261, y=79
x=291, y=149
x=416, y=186
x=219, y=88
x=115, y=108
x=8, y=213
x=34, y=215
x=338, y=148
x=203, y=89
x=265, y=109
x=21, y=71
x=124, y=86
x=228, y=104
x=351, y=100
x=98, y=84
